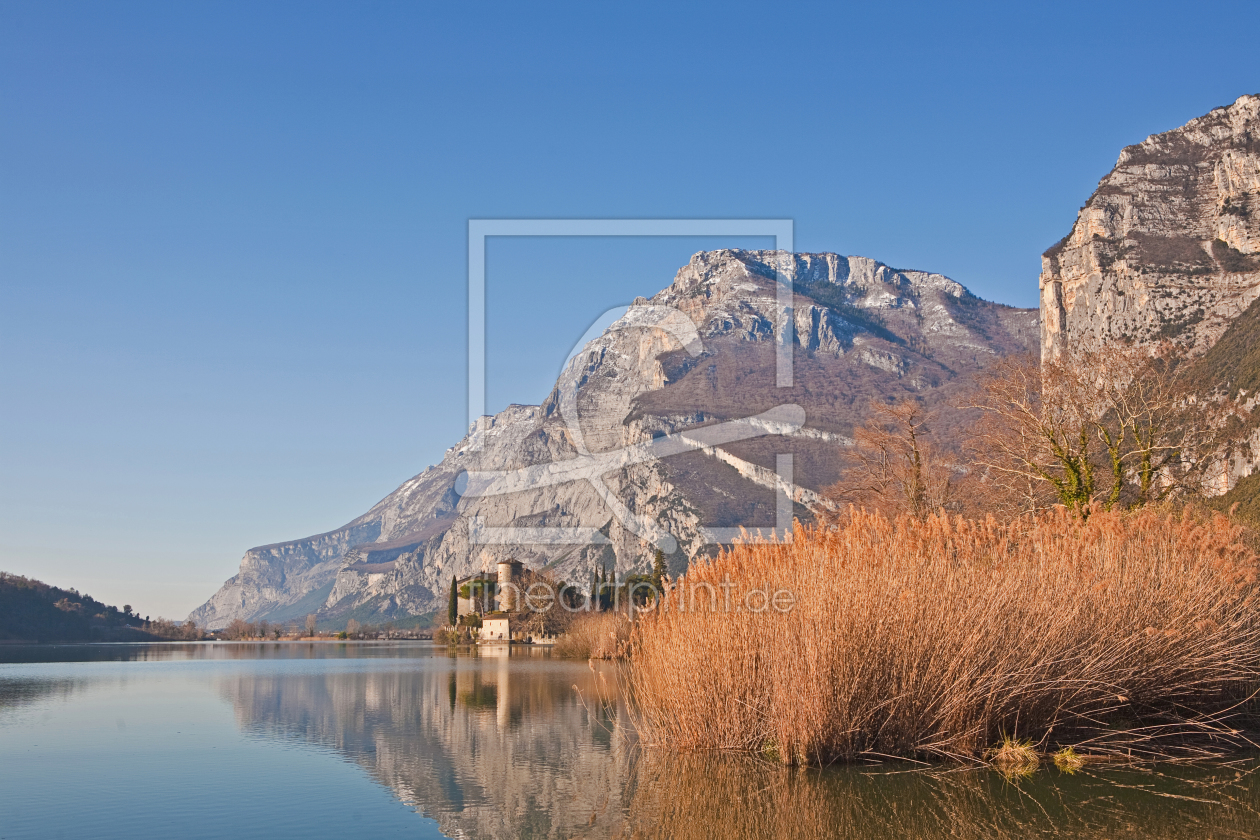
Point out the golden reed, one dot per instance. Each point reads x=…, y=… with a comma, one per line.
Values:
x=1134, y=634
x=594, y=635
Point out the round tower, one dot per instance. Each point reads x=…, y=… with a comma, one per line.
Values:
x=508, y=569
x=508, y=572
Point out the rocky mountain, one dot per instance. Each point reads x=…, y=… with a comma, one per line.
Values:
x=1168, y=246
x=1168, y=249
x=671, y=429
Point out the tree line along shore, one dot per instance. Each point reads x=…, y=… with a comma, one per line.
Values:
x=35, y=612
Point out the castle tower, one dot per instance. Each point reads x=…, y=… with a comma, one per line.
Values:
x=509, y=580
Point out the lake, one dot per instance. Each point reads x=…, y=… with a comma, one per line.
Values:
x=410, y=740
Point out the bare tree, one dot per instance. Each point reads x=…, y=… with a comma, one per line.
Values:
x=238, y=629
x=167, y=629
x=895, y=465
x=1031, y=445
x=1101, y=429
x=1169, y=433
x=310, y=624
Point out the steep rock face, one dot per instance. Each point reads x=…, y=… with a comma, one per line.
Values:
x=1168, y=249
x=689, y=373
x=1168, y=246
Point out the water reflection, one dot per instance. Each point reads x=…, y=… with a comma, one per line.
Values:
x=520, y=745
x=15, y=693
x=512, y=743
x=722, y=796
x=506, y=744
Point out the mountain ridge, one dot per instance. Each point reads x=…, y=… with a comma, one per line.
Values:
x=1166, y=249
x=698, y=354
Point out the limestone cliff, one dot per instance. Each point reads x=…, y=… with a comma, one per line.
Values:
x=1168, y=249
x=666, y=430
x=1168, y=246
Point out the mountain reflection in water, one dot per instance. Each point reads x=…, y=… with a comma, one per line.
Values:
x=508, y=743
x=237, y=739
x=511, y=744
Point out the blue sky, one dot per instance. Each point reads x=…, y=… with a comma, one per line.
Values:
x=232, y=235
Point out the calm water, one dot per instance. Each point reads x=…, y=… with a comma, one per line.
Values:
x=344, y=740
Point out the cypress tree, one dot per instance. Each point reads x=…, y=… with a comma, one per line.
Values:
x=452, y=609
x=658, y=570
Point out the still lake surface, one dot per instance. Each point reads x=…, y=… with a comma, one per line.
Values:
x=409, y=740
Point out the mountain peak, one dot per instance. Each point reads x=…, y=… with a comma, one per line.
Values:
x=1233, y=125
x=700, y=352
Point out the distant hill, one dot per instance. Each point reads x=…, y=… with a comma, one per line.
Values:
x=31, y=611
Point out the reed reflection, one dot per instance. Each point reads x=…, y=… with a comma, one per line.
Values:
x=706, y=796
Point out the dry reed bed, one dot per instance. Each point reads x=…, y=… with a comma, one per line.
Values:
x=1132, y=634
x=594, y=635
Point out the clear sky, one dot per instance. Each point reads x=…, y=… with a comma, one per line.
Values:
x=233, y=235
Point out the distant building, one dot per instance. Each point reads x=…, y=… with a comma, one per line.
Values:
x=496, y=627
x=496, y=624
x=476, y=602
